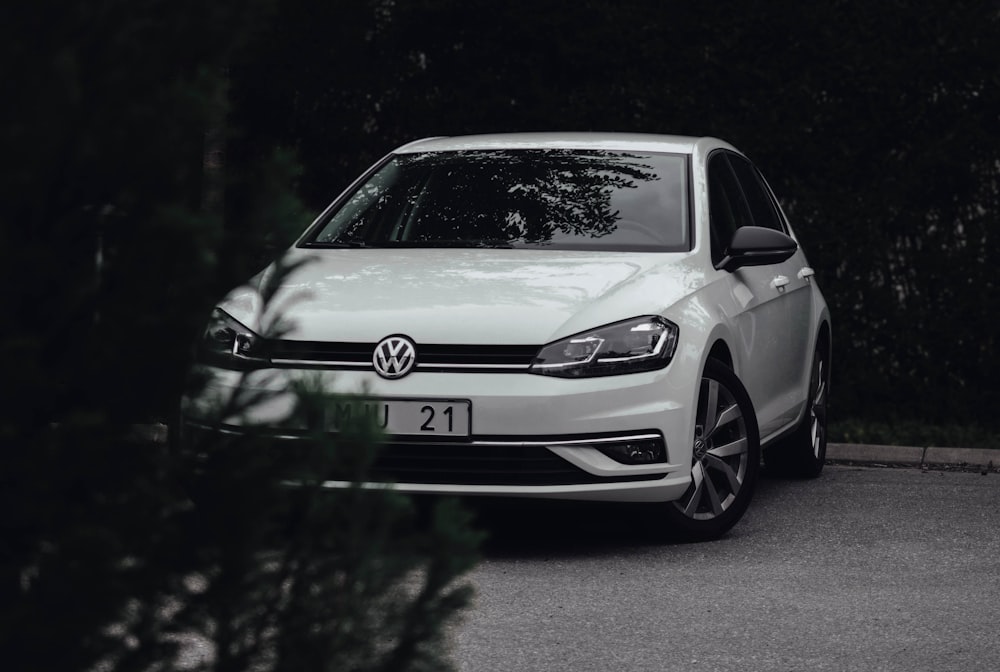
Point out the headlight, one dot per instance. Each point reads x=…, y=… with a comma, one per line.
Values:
x=640, y=344
x=229, y=344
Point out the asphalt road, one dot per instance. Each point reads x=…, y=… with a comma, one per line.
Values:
x=863, y=569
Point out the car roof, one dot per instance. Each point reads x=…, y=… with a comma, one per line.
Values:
x=646, y=142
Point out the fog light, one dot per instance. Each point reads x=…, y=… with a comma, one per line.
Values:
x=641, y=451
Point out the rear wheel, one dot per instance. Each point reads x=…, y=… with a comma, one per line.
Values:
x=725, y=458
x=803, y=453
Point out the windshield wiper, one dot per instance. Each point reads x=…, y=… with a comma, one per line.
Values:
x=338, y=244
x=450, y=244
x=462, y=244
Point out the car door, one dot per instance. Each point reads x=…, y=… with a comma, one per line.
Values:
x=793, y=278
x=773, y=324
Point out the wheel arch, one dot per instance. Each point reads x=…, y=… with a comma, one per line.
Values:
x=824, y=340
x=720, y=351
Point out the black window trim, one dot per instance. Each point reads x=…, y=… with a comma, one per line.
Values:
x=767, y=188
x=744, y=204
x=309, y=235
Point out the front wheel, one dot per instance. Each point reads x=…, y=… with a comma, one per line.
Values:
x=725, y=458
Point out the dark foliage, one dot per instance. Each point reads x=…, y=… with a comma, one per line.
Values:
x=148, y=147
x=874, y=122
x=122, y=221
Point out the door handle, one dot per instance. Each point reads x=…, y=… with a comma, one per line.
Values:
x=779, y=282
x=806, y=273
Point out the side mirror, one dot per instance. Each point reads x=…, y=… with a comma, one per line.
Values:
x=757, y=246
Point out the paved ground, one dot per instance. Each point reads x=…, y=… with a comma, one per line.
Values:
x=862, y=569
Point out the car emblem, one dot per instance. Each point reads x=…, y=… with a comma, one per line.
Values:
x=394, y=357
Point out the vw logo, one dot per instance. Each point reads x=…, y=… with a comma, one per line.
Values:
x=394, y=357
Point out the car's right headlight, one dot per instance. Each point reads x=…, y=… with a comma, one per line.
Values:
x=639, y=344
x=229, y=344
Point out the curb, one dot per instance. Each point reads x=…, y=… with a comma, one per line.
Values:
x=928, y=457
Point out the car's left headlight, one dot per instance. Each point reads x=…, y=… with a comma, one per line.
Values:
x=229, y=344
x=639, y=344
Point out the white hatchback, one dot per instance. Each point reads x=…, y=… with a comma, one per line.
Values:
x=614, y=317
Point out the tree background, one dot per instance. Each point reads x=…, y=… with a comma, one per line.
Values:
x=876, y=124
x=156, y=152
x=122, y=222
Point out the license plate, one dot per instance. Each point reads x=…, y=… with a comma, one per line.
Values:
x=407, y=417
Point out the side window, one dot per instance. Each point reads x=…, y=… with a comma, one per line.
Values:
x=727, y=207
x=761, y=205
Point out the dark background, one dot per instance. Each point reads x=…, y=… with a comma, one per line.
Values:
x=156, y=152
x=876, y=124
x=185, y=142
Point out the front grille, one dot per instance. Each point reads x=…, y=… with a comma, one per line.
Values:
x=430, y=357
x=476, y=355
x=481, y=464
x=422, y=461
x=320, y=351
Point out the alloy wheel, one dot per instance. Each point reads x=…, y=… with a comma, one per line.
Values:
x=721, y=455
x=817, y=410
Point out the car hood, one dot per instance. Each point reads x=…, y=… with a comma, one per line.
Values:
x=473, y=296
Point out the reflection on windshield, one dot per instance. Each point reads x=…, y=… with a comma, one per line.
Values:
x=552, y=198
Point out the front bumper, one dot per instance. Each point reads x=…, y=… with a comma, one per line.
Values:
x=532, y=436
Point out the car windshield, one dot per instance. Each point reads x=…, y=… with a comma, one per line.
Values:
x=525, y=198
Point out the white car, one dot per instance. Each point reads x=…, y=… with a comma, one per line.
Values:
x=590, y=316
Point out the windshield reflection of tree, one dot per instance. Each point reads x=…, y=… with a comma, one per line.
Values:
x=496, y=198
x=522, y=196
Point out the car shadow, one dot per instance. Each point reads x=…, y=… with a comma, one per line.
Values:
x=532, y=528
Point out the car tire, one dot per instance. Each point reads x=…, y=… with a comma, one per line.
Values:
x=803, y=453
x=725, y=458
